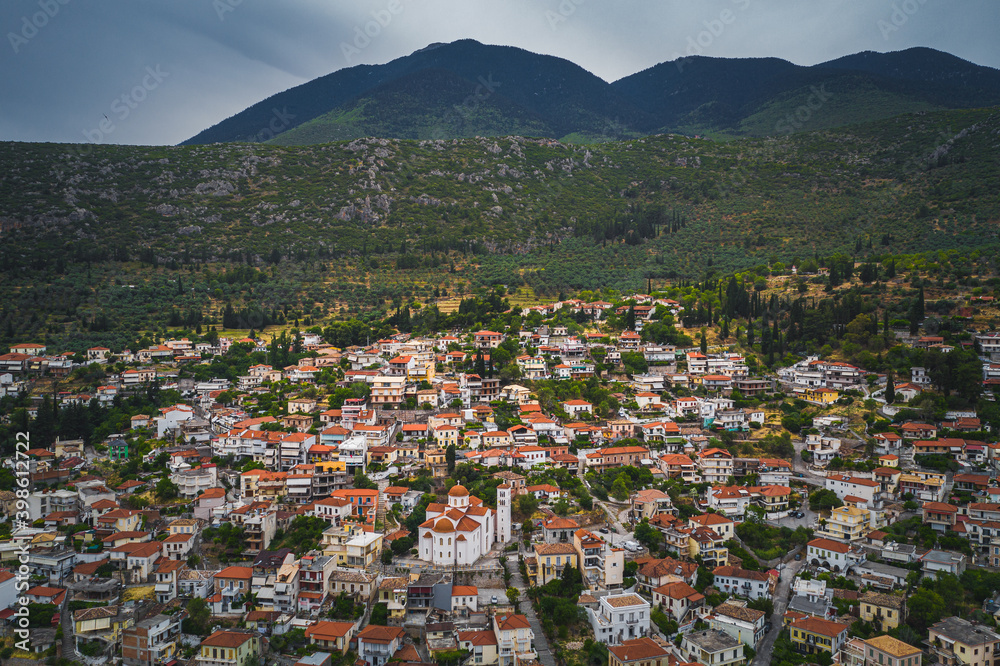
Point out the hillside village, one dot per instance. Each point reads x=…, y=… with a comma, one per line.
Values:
x=557, y=493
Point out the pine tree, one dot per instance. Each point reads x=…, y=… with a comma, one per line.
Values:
x=704, y=342
x=890, y=390
x=630, y=318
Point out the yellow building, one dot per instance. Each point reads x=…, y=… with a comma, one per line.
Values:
x=104, y=622
x=392, y=593
x=823, y=396
x=551, y=559
x=848, y=523
x=351, y=546
x=445, y=436
x=813, y=635
x=228, y=648
x=885, y=611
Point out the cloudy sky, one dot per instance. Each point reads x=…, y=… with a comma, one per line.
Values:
x=159, y=71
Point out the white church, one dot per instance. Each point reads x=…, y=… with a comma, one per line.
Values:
x=464, y=530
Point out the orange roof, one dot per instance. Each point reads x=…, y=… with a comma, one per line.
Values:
x=375, y=633
x=827, y=544
x=817, y=626
x=329, y=631
x=227, y=639
x=235, y=572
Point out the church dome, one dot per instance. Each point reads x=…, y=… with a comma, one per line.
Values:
x=443, y=526
x=458, y=491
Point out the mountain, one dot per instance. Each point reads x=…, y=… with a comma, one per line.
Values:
x=105, y=240
x=505, y=86
x=754, y=96
x=465, y=89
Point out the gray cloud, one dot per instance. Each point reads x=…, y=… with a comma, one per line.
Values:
x=66, y=64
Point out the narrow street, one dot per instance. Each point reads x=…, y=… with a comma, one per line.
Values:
x=782, y=594
x=541, y=642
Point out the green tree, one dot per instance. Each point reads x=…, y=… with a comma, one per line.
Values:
x=618, y=490
x=925, y=608
x=526, y=505
x=890, y=389
x=449, y=456
x=362, y=482
x=199, y=615
x=166, y=489
x=648, y=535
x=380, y=615
x=512, y=594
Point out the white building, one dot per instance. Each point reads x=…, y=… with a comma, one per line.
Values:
x=620, y=617
x=457, y=533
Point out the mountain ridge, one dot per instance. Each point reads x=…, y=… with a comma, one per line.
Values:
x=542, y=95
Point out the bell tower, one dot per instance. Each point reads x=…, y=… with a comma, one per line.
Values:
x=504, y=498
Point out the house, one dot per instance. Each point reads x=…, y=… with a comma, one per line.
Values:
x=942, y=517
x=677, y=599
x=152, y=640
x=515, y=639
x=228, y=648
x=101, y=624
x=813, y=635
x=716, y=465
x=638, y=652
x=178, y=546
x=712, y=647
x=843, y=485
x=847, y=523
x=377, y=644
x=558, y=529
x=954, y=640
x=331, y=635
x=649, y=503
x=574, y=408
x=833, y=555
x=482, y=646
x=723, y=526
x=883, y=611
x=654, y=573
x=889, y=651
x=942, y=561
x=742, y=582
x=679, y=466
x=619, y=617
x=619, y=456
x=744, y=624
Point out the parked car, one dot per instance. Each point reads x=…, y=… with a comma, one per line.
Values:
x=603, y=530
x=493, y=600
x=798, y=557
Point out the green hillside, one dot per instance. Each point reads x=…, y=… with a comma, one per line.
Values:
x=138, y=235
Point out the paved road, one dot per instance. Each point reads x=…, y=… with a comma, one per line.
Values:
x=782, y=595
x=541, y=643
x=799, y=467
x=808, y=521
